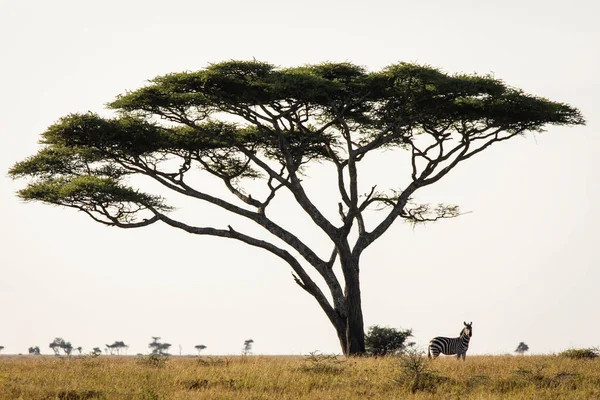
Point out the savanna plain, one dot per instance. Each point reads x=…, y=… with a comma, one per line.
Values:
x=315, y=376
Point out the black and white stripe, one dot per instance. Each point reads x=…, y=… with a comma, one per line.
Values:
x=449, y=346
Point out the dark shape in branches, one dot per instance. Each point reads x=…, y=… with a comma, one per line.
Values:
x=330, y=113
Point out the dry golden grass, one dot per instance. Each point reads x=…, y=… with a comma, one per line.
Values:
x=256, y=377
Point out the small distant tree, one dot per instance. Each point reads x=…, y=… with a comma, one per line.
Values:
x=158, y=348
x=67, y=348
x=247, y=347
x=1, y=348
x=96, y=351
x=117, y=347
x=55, y=348
x=199, y=347
x=56, y=345
x=34, y=350
x=522, y=348
x=78, y=349
x=60, y=344
x=383, y=341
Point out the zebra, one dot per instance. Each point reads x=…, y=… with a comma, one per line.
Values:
x=449, y=346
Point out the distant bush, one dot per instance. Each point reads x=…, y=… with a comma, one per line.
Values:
x=382, y=341
x=579, y=354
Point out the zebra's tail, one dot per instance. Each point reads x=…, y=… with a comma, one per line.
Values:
x=429, y=351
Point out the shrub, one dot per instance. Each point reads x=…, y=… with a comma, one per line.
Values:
x=415, y=372
x=579, y=354
x=382, y=341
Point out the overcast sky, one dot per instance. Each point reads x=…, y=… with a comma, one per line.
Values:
x=523, y=265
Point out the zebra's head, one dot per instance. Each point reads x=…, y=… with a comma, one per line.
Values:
x=467, y=330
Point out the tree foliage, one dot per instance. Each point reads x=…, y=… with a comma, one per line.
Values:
x=117, y=347
x=59, y=344
x=381, y=341
x=159, y=348
x=242, y=121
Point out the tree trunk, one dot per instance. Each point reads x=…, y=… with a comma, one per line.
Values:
x=354, y=334
x=341, y=333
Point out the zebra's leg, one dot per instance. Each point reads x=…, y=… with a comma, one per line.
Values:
x=458, y=356
x=432, y=351
x=464, y=355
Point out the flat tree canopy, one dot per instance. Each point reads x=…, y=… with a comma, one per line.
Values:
x=242, y=121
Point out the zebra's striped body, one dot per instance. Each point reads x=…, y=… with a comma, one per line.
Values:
x=450, y=346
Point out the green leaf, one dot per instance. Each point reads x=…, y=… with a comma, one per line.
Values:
x=88, y=191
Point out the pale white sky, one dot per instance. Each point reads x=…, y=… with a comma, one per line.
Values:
x=523, y=266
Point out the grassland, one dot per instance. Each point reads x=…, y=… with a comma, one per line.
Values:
x=257, y=377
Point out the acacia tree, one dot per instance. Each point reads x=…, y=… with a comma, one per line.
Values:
x=199, y=347
x=116, y=347
x=158, y=347
x=243, y=121
x=58, y=344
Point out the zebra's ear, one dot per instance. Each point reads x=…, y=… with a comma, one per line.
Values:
x=465, y=323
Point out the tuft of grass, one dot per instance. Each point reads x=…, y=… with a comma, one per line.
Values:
x=321, y=363
x=79, y=395
x=153, y=360
x=416, y=372
x=208, y=361
x=579, y=354
x=195, y=384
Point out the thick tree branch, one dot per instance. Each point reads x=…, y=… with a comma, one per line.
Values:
x=260, y=218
